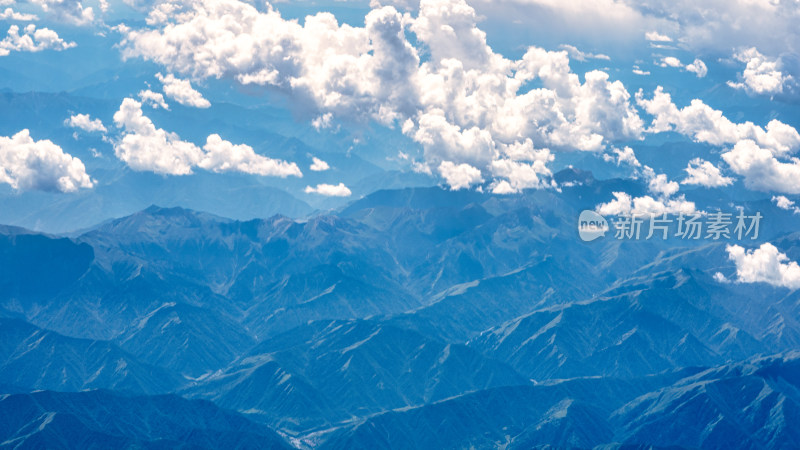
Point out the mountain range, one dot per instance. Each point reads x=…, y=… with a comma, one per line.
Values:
x=409, y=318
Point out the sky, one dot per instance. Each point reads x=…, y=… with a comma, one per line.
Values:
x=493, y=96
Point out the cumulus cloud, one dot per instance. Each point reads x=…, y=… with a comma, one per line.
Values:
x=661, y=185
x=655, y=36
x=670, y=61
x=703, y=27
x=459, y=176
x=784, y=203
x=329, y=190
x=765, y=264
x=624, y=156
x=592, y=20
x=147, y=148
x=663, y=190
x=578, y=55
x=514, y=176
x=708, y=125
x=182, y=91
x=223, y=156
x=762, y=75
x=322, y=121
x=154, y=99
x=698, y=67
x=318, y=165
x=625, y=204
x=762, y=170
x=464, y=103
x=26, y=164
x=627, y=157
x=10, y=14
x=32, y=39
x=70, y=11
x=85, y=123
x=710, y=26
x=704, y=173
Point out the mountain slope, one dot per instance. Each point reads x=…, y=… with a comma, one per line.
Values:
x=337, y=370
x=101, y=419
x=39, y=359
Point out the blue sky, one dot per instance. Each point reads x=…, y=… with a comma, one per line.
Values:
x=493, y=96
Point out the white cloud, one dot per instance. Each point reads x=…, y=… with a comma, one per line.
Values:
x=32, y=40
x=764, y=265
x=329, y=190
x=444, y=140
x=419, y=167
x=578, y=55
x=705, y=174
x=318, y=165
x=464, y=103
x=762, y=170
x=459, y=176
x=638, y=71
x=662, y=200
x=670, y=61
x=625, y=204
x=182, y=91
x=661, y=185
x=703, y=27
x=655, y=36
x=521, y=166
x=154, y=99
x=322, y=121
x=223, y=156
x=147, y=148
x=784, y=203
x=514, y=176
x=762, y=75
x=698, y=67
x=10, y=14
x=709, y=26
x=85, y=123
x=708, y=125
x=622, y=156
x=26, y=164
x=593, y=20
x=70, y=11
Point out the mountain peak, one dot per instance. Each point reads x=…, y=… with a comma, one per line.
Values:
x=574, y=175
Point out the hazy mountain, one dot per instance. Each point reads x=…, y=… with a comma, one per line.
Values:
x=348, y=369
x=186, y=339
x=39, y=359
x=569, y=414
x=418, y=317
x=753, y=404
x=644, y=327
x=102, y=419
